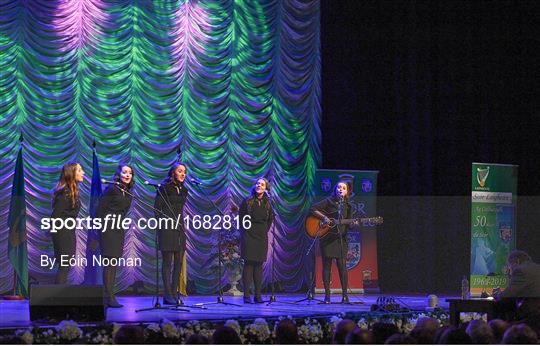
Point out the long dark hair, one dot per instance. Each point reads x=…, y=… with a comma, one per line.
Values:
x=349, y=189
x=253, y=196
x=68, y=183
x=253, y=192
x=118, y=174
x=170, y=174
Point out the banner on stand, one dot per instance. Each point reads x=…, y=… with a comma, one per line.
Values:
x=493, y=224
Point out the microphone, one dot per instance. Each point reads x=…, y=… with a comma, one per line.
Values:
x=340, y=202
x=103, y=181
x=340, y=207
x=146, y=182
x=195, y=181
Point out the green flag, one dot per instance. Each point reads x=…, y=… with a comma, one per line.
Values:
x=17, y=251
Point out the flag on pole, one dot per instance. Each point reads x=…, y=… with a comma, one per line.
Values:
x=93, y=274
x=17, y=249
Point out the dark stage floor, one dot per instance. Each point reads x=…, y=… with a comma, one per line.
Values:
x=16, y=314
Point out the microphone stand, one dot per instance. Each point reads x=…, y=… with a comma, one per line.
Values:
x=220, y=299
x=273, y=298
x=179, y=302
x=309, y=294
x=343, y=259
x=157, y=305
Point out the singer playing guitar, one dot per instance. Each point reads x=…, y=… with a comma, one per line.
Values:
x=334, y=245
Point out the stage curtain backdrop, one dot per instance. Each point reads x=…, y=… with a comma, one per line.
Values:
x=235, y=84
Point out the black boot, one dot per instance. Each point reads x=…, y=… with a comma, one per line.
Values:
x=257, y=282
x=62, y=275
x=109, y=276
x=344, y=279
x=168, y=299
x=175, y=292
x=177, y=269
x=327, y=267
x=113, y=303
x=327, y=296
x=247, y=277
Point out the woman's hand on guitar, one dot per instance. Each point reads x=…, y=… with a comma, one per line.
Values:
x=325, y=221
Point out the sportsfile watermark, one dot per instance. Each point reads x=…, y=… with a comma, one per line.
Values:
x=116, y=222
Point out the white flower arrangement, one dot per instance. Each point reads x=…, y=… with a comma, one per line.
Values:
x=443, y=319
x=25, y=335
x=191, y=327
x=230, y=249
x=169, y=329
x=408, y=327
x=363, y=323
x=194, y=324
x=154, y=327
x=335, y=320
x=69, y=330
x=100, y=337
x=258, y=329
x=332, y=323
x=116, y=328
x=207, y=333
x=310, y=332
x=257, y=332
x=399, y=323
x=469, y=316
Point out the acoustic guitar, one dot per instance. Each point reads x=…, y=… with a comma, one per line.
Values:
x=315, y=226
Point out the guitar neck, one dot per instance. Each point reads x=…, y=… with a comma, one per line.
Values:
x=346, y=221
x=376, y=220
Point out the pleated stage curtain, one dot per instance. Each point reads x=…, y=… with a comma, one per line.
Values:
x=234, y=84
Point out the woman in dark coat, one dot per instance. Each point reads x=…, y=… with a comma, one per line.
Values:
x=254, y=241
x=66, y=204
x=334, y=245
x=115, y=201
x=170, y=200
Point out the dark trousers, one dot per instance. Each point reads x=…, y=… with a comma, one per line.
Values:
x=62, y=275
x=327, y=271
x=109, y=279
x=252, y=274
x=170, y=272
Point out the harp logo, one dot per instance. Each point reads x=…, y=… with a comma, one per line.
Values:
x=482, y=175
